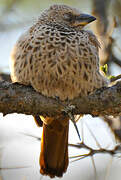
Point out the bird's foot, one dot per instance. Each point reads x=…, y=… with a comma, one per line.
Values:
x=69, y=110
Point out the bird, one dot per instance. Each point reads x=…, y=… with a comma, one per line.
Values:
x=58, y=57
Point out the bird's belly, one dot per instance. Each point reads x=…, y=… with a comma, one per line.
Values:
x=67, y=87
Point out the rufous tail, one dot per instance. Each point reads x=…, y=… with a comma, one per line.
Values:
x=54, y=148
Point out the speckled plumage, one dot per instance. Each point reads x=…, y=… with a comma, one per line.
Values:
x=57, y=57
x=57, y=60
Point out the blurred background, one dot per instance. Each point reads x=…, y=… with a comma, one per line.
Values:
x=19, y=135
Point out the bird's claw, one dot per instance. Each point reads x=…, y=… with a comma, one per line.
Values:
x=69, y=110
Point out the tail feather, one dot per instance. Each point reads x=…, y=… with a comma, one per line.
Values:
x=54, y=148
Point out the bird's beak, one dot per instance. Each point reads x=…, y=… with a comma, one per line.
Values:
x=84, y=19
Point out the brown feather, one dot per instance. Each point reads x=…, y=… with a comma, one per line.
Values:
x=54, y=149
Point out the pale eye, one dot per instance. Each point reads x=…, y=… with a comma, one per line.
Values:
x=67, y=16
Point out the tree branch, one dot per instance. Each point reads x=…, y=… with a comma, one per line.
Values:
x=113, y=151
x=16, y=98
x=115, y=78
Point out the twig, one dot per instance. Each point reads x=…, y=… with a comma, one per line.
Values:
x=108, y=168
x=19, y=167
x=30, y=135
x=93, y=163
x=115, y=60
x=92, y=151
x=115, y=78
x=97, y=143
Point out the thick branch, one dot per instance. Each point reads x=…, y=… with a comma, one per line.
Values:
x=16, y=98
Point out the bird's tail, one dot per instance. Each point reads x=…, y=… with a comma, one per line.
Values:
x=54, y=148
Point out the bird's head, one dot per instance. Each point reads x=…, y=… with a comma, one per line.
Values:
x=68, y=16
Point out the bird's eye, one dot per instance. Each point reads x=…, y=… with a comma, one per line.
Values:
x=68, y=16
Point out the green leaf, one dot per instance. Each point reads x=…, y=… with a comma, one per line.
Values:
x=104, y=69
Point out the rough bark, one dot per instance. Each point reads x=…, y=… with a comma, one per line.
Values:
x=16, y=98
